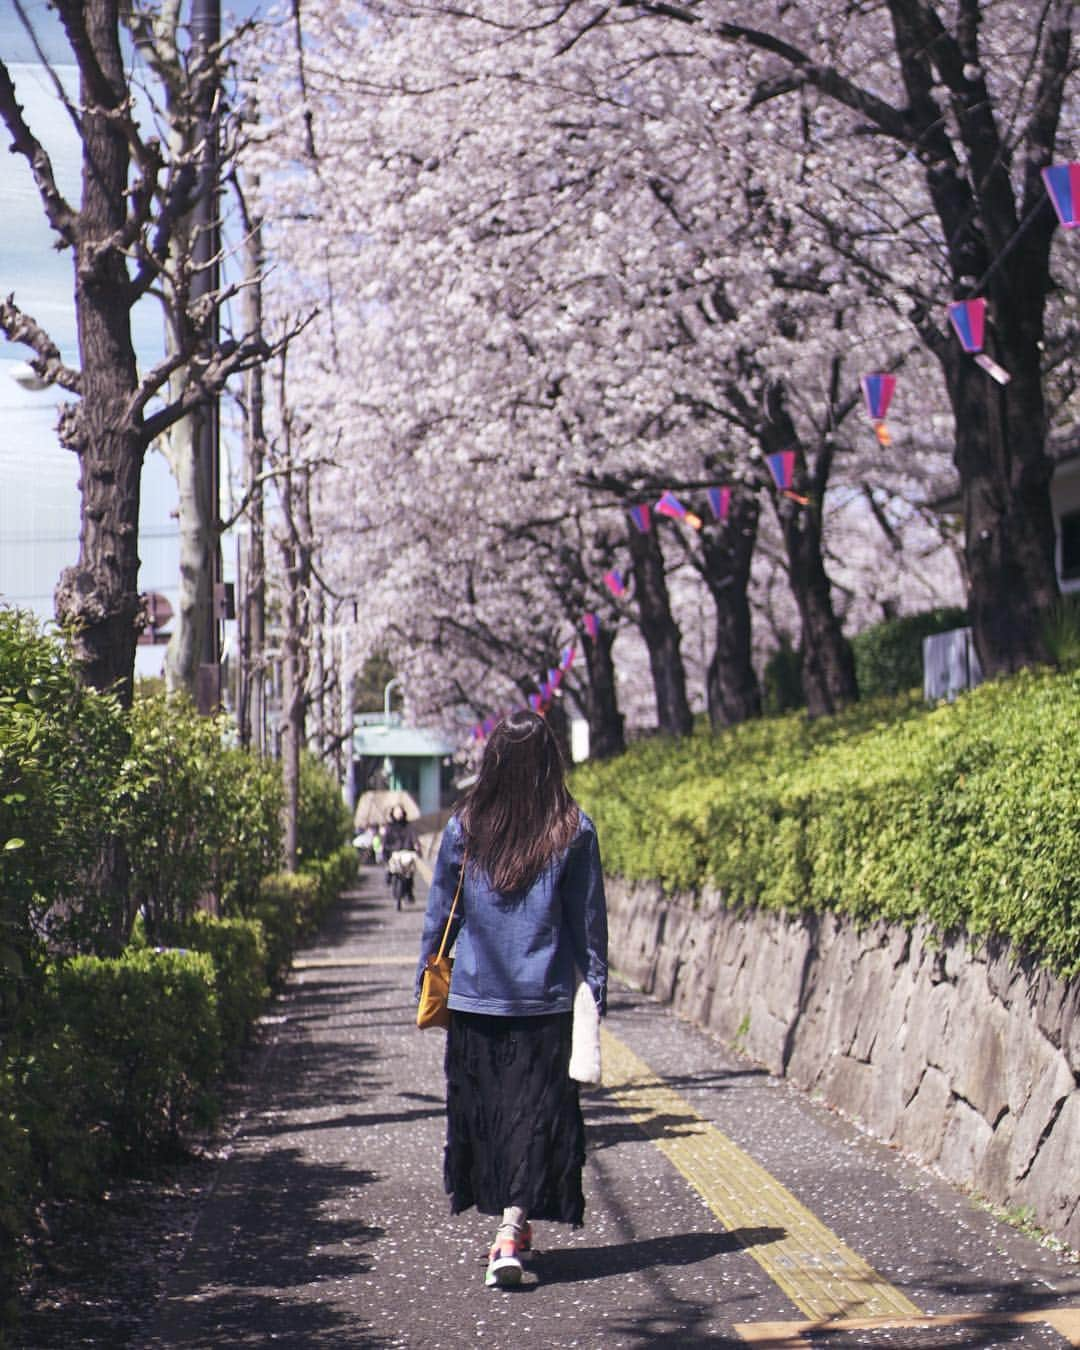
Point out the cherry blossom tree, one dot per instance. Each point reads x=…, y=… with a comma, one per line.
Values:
x=507, y=256
x=959, y=107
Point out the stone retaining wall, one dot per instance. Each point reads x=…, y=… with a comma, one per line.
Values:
x=965, y=1059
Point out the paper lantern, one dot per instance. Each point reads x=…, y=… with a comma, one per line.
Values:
x=720, y=502
x=782, y=467
x=669, y=505
x=968, y=318
x=878, y=390
x=613, y=580
x=1063, y=188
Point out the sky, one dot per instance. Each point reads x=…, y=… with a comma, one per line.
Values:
x=39, y=497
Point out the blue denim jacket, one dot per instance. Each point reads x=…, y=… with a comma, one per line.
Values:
x=515, y=955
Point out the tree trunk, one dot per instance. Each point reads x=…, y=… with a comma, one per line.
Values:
x=828, y=664
x=252, y=697
x=100, y=595
x=986, y=198
x=661, y=634
x=732, y=688
x=292, y=700
x=606, y=734
x=1005, y=478
x=295, y=485
x=195, y=512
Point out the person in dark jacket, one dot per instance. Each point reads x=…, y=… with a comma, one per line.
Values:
x=531, y=920
x=399, y=833
x=398, y=836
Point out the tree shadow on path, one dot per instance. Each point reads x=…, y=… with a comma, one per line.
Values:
x=571, y=1264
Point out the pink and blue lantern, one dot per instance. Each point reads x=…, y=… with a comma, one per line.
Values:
x=720, y=503
x=1063, y=188
x=613, y=580
x=968, y=318
x=642, y=517
x=592, y=626
x=782, y=467
x=535, y=702
x=566, y=660
x=669, y=505
x=878, y=390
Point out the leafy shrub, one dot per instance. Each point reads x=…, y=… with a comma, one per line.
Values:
x=121, y=1057
x=888, y=655
x=251, y=798
x=201, y=817
x=159, y=789
x=966, y=815
x=324, y=823
x=333, y=875
x=1061, y=630
x=237, y=947
x=60, y=752
x=286, y=908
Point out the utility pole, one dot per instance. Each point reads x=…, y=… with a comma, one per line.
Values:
x=252, y=691
x=205, y=38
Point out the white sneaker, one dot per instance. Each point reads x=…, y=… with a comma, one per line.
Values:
x=504, y=1263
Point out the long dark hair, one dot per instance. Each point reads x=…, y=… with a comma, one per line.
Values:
x=519, y=814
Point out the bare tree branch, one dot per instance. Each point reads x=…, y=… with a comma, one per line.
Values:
x=61, y=216
x=48, y=365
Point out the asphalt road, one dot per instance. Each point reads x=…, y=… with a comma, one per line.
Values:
x=723, y=1207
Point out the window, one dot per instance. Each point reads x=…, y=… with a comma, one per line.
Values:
x=1070, y=545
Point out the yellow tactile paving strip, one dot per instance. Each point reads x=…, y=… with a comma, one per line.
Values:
x=825, y=1279
x=822, y=1277
x=794, y=1335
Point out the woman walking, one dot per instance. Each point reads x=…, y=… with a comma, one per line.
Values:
x=530, y=916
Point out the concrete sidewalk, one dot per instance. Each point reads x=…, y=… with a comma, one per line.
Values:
x=723, y=1208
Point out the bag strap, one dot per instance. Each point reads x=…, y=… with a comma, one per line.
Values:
x=453, y=907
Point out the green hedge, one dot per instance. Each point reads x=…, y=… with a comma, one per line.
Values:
x=122, y=1056
x=966, y=815
x=107, y=1060
x=324, y=823
x=292, y=905
x=333, y=874
x=287, y=904
x=238, y=949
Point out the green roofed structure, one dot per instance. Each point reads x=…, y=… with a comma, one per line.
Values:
x=416, y=760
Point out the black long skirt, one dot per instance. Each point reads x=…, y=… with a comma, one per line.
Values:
x=514, y=1132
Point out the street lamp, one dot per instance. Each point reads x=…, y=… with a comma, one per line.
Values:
x=386, y=696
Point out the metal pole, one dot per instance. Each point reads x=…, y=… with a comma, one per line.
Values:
x=205, y=36
x=386, y=697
